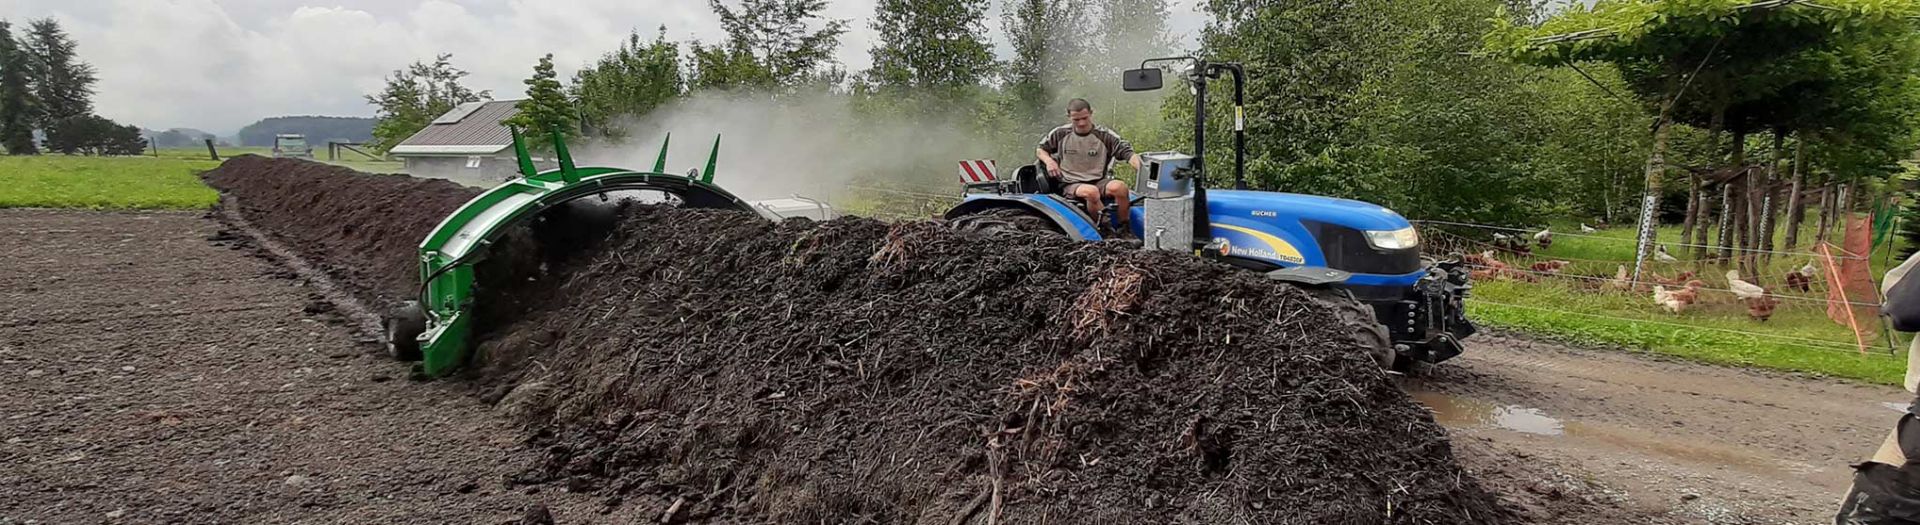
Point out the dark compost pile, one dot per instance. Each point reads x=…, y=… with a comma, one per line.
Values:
x=723, y=368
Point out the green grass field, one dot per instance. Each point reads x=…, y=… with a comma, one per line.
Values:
x=1798, y=338
x=59, y=181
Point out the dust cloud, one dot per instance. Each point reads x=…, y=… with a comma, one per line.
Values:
x=814, y=145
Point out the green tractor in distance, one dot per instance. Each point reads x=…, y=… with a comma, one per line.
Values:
x=291, y=145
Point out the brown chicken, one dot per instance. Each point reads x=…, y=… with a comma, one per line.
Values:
x=1677, y=301
x=1550, y=267
x=1677, y=280
x=1799, y=281
x=1761, y=308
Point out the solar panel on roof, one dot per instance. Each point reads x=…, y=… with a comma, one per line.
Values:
x=459, y=112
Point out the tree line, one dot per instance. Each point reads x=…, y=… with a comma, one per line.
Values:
x=46, y=97
x=1432, y=109
x=934, y=61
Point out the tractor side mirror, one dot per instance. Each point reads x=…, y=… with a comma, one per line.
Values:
x=1147, y=79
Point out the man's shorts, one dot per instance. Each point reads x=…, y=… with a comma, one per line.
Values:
x=1098, y=185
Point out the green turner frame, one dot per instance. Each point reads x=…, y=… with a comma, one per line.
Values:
x=448, y=254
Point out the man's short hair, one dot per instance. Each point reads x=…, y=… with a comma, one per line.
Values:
x=1078, y=104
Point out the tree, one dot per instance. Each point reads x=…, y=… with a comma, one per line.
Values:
x=1040, y=57
x=936, y=46
x=1131, y=31
x=1738, y=57
x=546, y=108
x=414, y=96
x=16, y=97
x=94, y=135
x=628, y=82
x=1379, y=100
x=62, y=84
x=769, y=43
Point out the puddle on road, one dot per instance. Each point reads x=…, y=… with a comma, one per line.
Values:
x=1454, y=412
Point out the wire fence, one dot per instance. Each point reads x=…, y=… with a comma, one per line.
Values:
x=1800, y=299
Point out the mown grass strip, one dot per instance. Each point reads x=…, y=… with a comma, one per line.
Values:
x=60, y=181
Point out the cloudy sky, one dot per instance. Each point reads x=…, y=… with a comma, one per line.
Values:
x=218, y=65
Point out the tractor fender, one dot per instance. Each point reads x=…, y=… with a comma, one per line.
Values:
x=1063, y=216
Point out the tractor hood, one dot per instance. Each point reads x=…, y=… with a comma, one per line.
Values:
x=1287, y=230
x=1258, y=205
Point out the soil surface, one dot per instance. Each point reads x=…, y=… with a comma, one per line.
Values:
x=1675, y=442
x=150, y=376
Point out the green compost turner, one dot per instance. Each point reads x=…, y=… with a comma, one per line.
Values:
x=437, y=328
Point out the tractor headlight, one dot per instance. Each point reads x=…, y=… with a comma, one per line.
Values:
x=1401, y=239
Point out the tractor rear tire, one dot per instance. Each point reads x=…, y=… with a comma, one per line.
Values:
x=403, y=326
x=995, y=220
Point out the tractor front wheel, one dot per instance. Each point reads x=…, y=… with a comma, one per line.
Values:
x=403, y=327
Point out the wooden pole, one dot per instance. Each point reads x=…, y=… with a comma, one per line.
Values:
x=212, y=153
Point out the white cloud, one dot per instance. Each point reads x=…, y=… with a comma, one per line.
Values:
x=221, y=64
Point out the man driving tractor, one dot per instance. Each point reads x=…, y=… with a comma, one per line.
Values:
x=1079, y=158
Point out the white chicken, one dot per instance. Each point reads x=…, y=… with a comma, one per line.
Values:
x=1544, y=238
x=1619, y=280
x=1584, y=228
x=1742, y=289
x=1660, y=254
x=1676, y=300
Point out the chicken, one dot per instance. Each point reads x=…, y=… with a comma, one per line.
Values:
x=1677, y=301
x=1761, y=308
x=1660, y=254
x=1485, y=266
x=1811, y=271
x=1584, y=228
x=1799, y=281
x=1742, y=289
x=1512, y=244
x=1544, y=238
x=1620, y=280
x=1550, y=267
x=1677, y=280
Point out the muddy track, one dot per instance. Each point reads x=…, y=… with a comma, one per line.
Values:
x=1683, y=442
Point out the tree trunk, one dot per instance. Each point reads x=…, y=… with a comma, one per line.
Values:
x=1695, y=200
x=1828, y=201
x=1656, y=167
x=1796, y=205
x=1769, y=204
x=1738, y=203
x=1693, y=210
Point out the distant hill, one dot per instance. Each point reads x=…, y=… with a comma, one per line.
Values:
x=319, y=130
x=177, y=137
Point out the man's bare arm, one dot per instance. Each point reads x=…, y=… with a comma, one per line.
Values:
x=1046, y=159
x=1135, y=161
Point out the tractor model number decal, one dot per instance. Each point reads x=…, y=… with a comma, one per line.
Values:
x=1262, y=213
x=1267, y=246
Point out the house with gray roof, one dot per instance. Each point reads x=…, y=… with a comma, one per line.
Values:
x=467, y=145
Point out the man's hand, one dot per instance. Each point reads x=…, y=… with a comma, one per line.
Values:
x=1046, y=159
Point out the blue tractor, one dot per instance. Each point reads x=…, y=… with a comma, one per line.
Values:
x=1361, y=249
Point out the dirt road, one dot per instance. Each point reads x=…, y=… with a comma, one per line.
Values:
x=1675, y=442
x=148, y=376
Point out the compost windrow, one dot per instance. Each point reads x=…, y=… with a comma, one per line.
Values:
x=717, y=367
x=855, y=369
x=363, y=230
